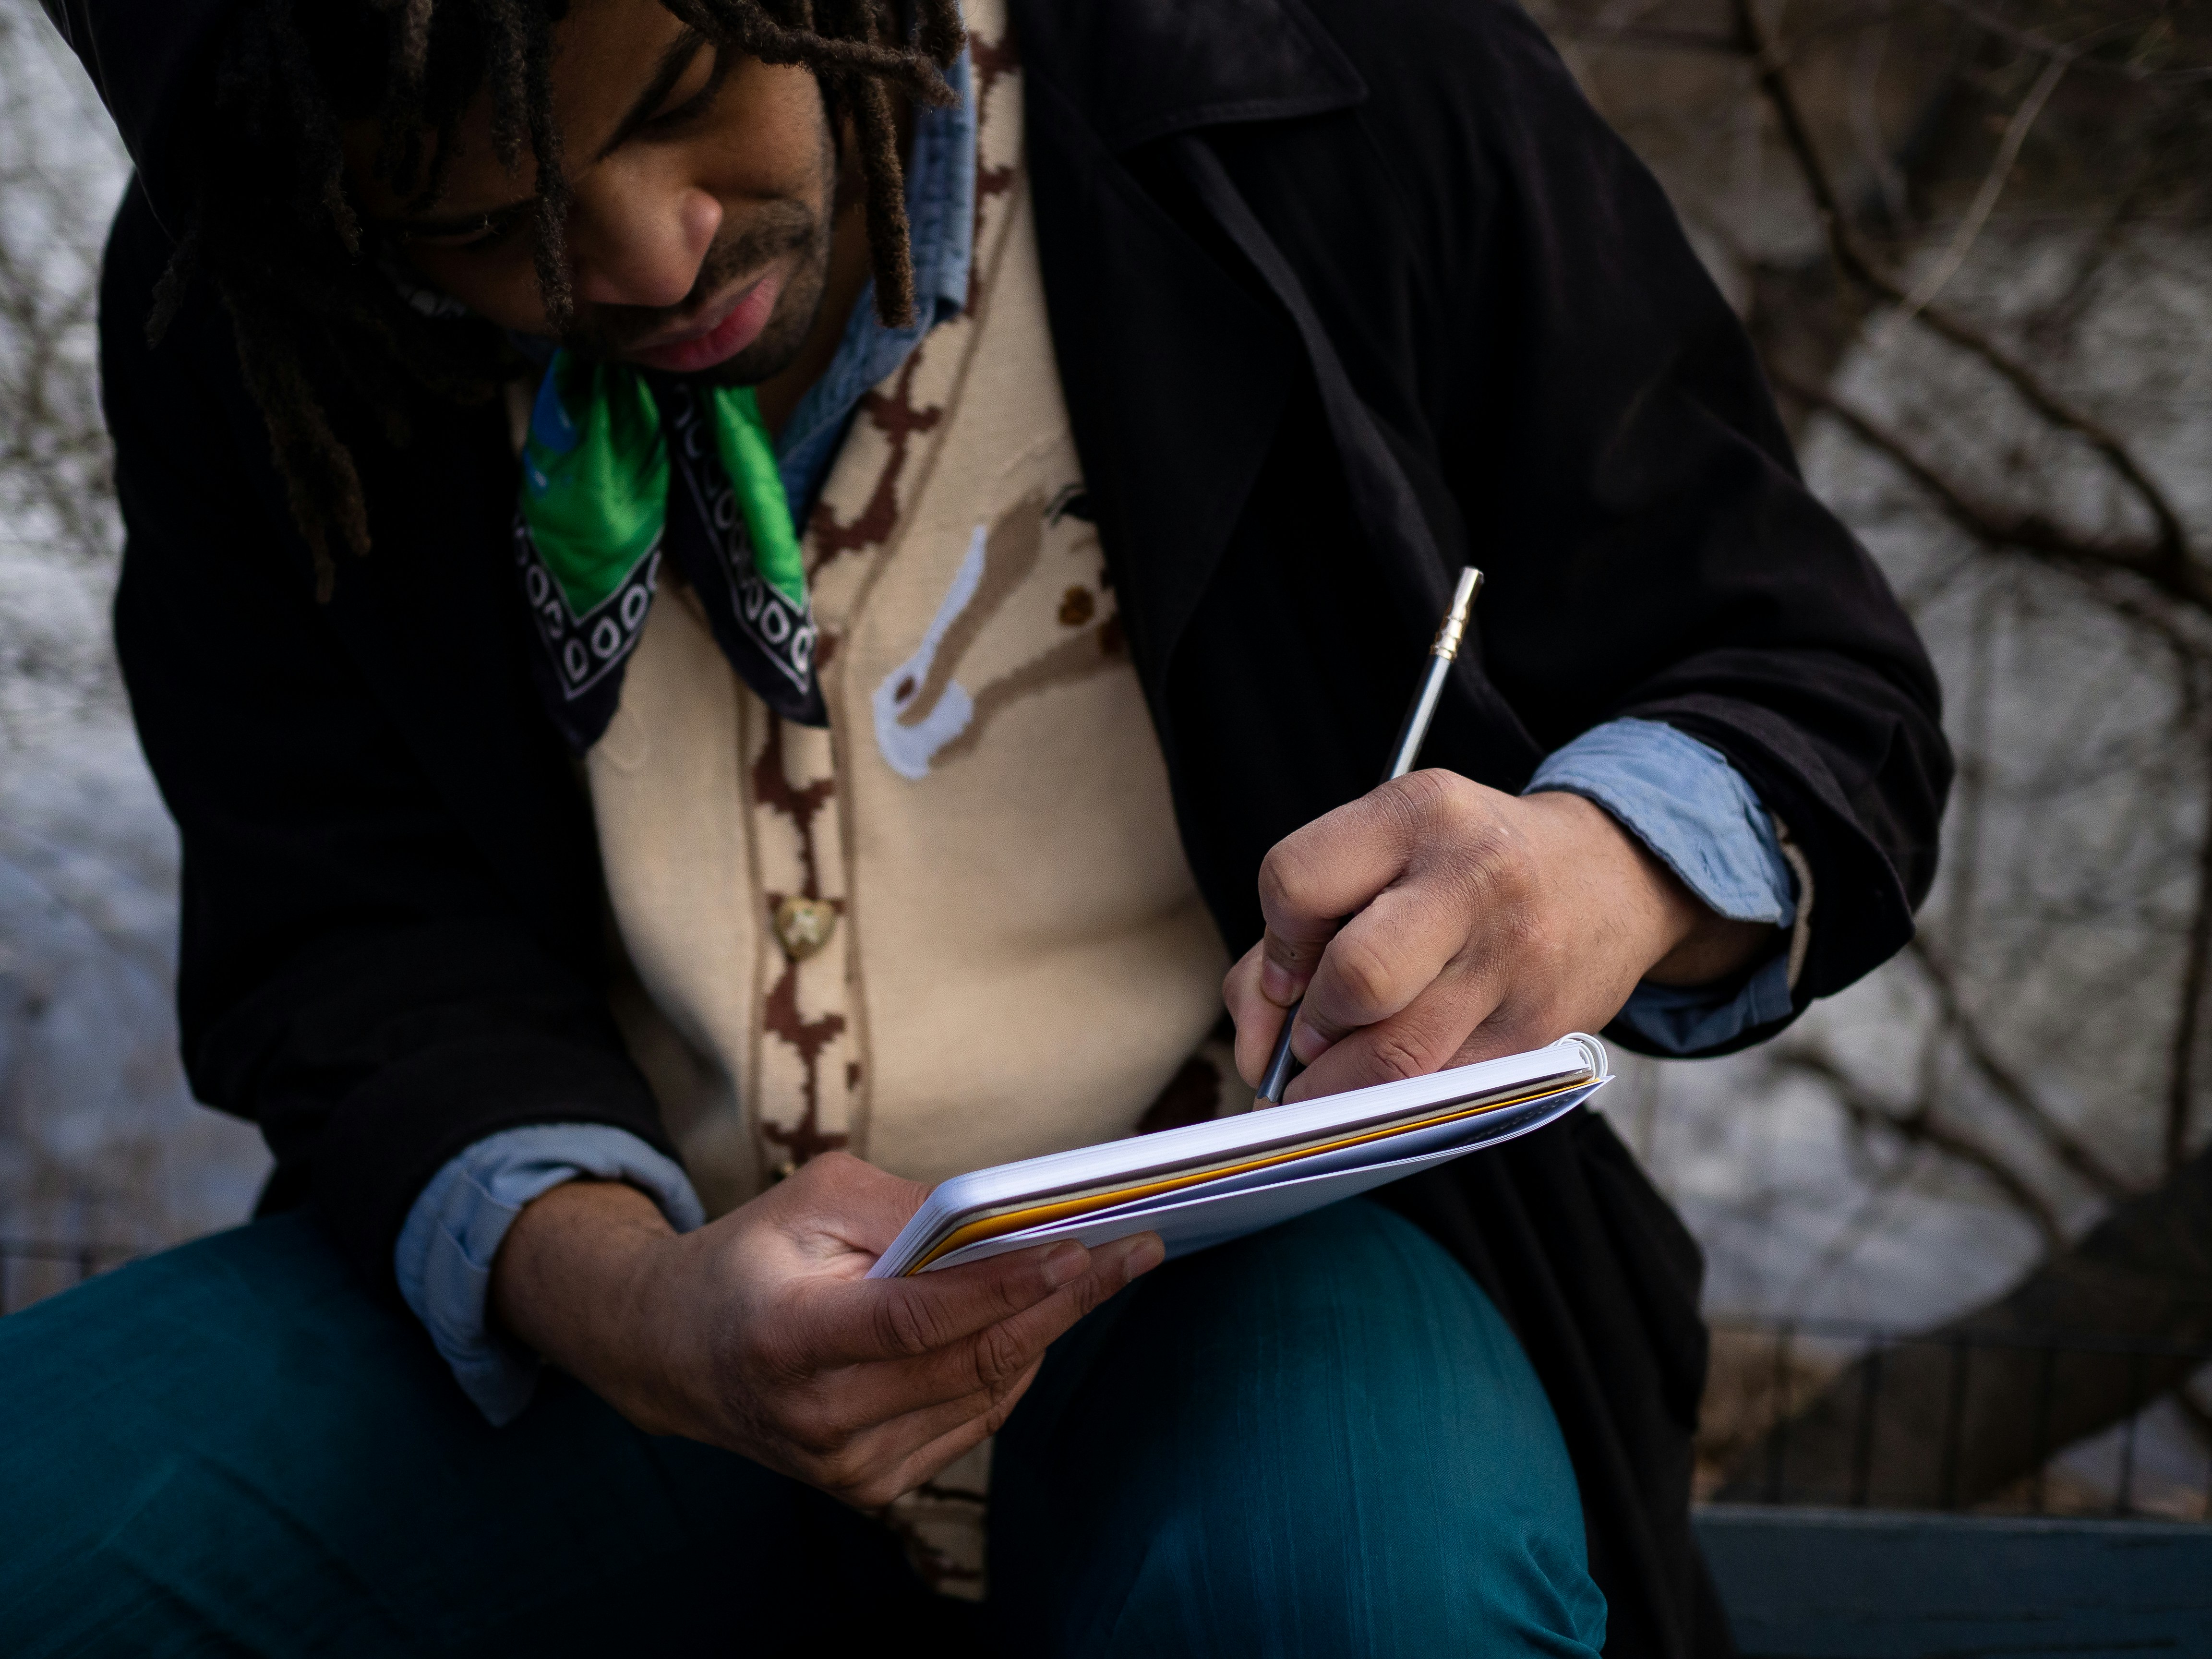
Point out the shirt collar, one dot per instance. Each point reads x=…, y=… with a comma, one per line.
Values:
x=940, y=207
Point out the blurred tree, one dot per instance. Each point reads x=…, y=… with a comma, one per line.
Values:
x=101, y=1148
x=1970, y=242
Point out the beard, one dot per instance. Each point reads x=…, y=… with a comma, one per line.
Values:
x=774, y=230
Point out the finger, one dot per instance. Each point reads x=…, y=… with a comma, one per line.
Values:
x=899, y=1457
x=1258, y=1019
x=856, y=1320
x=1287, y=965
x=1005, y=1350
x=1315, y=877
x=1428, y=1033
x=857, y=1411
x=1386, y=956
x=930, y=1459
x=984, y=1362
x=833, y=1452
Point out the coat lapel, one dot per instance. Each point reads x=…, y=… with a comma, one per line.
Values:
x=1126, y=285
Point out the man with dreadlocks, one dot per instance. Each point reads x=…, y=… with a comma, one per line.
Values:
x=742, y=603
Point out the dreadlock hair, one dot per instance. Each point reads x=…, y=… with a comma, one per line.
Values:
x=311, y=301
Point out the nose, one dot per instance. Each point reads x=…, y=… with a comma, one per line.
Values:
x=636, y=245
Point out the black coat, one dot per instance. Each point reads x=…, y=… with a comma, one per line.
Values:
x=1343, y=297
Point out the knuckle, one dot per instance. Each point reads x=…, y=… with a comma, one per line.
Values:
x=998, y=1358
x=1487, y=864
x=815, y=1431
x=1397, y=1055
x=1431, y=796
x=1473, y=828
x=904, y=1324
x=1297, y=865
x=1281, y=879
x=842, y=1474
x=1366, y=980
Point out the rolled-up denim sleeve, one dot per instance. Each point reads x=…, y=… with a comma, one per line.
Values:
x=445, y=1250
x=1683, y=800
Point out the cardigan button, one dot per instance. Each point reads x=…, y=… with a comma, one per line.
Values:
x=804, y=926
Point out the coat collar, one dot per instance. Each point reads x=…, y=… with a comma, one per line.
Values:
x=1140, y=70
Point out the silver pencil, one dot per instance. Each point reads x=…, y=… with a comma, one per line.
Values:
x=1281, y=1068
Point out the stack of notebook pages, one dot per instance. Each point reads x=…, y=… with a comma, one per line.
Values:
x=1210, y=1183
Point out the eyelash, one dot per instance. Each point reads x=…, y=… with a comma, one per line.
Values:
x=494, y=229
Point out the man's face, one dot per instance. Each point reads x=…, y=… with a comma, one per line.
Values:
x=703, y=185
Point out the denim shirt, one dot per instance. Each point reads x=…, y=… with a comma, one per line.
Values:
x=1682, y=798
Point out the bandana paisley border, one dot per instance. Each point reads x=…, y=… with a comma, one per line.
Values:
x=785, y=633
x=584, y=650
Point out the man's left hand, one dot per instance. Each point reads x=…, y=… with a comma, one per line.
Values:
x=1433, y=922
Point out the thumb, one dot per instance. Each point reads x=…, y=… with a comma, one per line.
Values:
x=864, y=1207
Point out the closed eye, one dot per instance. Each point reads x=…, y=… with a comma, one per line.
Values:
x=479, y=234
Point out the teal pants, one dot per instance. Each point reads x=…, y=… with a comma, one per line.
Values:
x=1321, y=1440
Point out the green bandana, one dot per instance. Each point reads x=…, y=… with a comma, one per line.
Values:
x=620, y=468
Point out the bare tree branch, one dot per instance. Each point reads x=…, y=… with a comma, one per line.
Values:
x=2170, y=548
x=2064, y=1145
x=1919, y=1125
x=2028, y=40
x=1993, y=184
x=2004, y=528
x=2181, y=1085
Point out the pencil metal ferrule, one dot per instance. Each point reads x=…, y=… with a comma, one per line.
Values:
x=1454, y=631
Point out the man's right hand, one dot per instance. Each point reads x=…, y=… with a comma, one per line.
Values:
x=762, y=1332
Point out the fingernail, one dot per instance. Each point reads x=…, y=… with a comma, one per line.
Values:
x=1310, y=1045
x=1277, y=985
x=1065, y=1263
x=1142, y=1254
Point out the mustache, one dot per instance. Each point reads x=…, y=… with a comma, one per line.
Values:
x=778, y=228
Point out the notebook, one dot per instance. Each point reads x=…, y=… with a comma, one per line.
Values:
x=1207, y=1183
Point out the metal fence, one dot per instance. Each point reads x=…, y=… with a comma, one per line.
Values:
x=2003, y=1421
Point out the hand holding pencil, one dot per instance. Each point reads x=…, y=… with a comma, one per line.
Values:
x=1437, y=921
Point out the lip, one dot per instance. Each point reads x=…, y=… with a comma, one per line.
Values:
x=725, y=329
